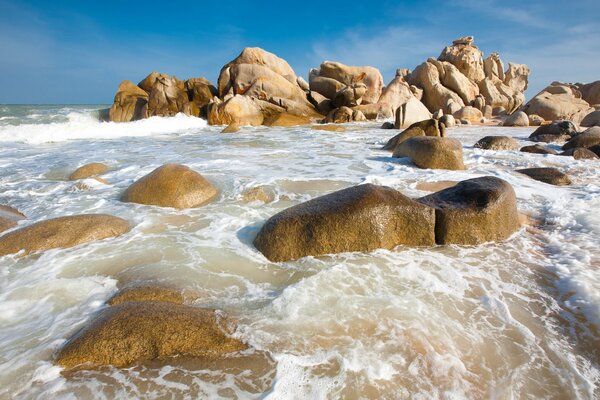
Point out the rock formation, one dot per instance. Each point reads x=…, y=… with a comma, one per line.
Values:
x=558, y=131
x=559, y=101
x=432, y=152
x=429, y=127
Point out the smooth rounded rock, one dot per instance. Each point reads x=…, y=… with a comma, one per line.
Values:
x=432, y=152
x=518, y=118
x=558, y=131
x=428, y=127
x=497, y=143
x=547, y=175
x=592, y=119
x=538, y=149
x=580, y=153
x=89, y=170
x=586, y=139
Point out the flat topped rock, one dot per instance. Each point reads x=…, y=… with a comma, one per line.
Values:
x=432, y=152
x=89, y=170
x=171, y=185
x=474, y=211
x=360, y=218
x=497, y=143
x=62, y=232
x=548, y=175
x=134, y=331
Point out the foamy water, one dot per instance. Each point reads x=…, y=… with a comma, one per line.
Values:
x=511, y=320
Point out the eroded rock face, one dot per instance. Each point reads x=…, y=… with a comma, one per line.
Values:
x=89, y=170
x=9, y=217
x=549, y=175
x=432, y=152
x=360, y=218
x=474, y=211
x=130, y=103
x=466, y=57
x=171, y=185
x=429, y=127
x=559, y=102
x=62, y=232
x=497, y=143
x=144, y=330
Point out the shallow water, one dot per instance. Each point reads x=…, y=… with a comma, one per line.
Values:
x=518, y=319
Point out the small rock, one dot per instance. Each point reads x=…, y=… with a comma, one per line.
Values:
x=497, y=143
x=548, y=175
x=387, y=125
x=580, y=153
x=537, y=149
x=257, y=194
x=88, y=171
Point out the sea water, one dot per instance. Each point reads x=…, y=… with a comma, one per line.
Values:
x=509, y=320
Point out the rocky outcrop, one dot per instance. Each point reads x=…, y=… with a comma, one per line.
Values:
x=89, y=170
x=559, y=131
x=171, y=185
x=432, y=152
x=466, y=57
x=429, y=127
x=559, y=101
x=62, y=232
x=360, y=218
x=549, y=175
x=144, y=330
x=349, y=75
x=167, y=96
x=9, y=217
x=130, y=103
x=474, y=211
x=590, y=92
x=497, y=143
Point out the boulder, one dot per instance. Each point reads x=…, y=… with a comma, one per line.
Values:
x=286, y=119
x=396, y=93
x=231, y=128
x=375, y=111
x=327, y=87
x=595, y=150
x=454, y=80
x=201, y=92
x=517, y=77
x=387, y=125
x=580, y=153
x=479, y=103
x=474, y=211
x=303, y=84
x=89, y=170
x=411, y=112
x=429, y=127
x=147, y=292
x=349, y=75
x=322, y=104
x=62, y=232
x=258, y=193
x=558, y=131
x=360, y=218
x=590, y=92
x=466, y=57
x=470, y=114
x=9, y=217
x=349, y=96
x=518, y=118
x=130, y=103
x=168, y=97
x=548, y=175
x=537, y=149
x=345, y=114
x=497, y=143
x=558, y=102
x=592, y=119
x=587, y=139
x=171, y=185
x=144, y=330
x=432, y=152
x=448, y=120
x=435, y=95
x=238, y=109
x=487, y=111
x=535, y=120
x=497, y=94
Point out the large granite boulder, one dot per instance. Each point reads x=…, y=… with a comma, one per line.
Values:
x=435, y=95
x=350, y=96
x=429, y=127
x=397, y=93
x=432, y=152
x=171, y=185
x=559, y=102
x=238, y=109
x=9, y=217
x=411, y=112
x=518, y=118
x=558, y=131
x=497, y=143
x=134, y=331
x=360, y=218
x=167, y=97
x=62, y=232
x=349, y=75
x=538, y=149
x=549, y=175
x=581, y=153
x=466, y=57
x=474, y=211
x=344, y=114
x=130, y=103
x=470, y=114
x=89, y=170
x=201, y=92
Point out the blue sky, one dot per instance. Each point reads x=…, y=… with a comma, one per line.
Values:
x=79, y=51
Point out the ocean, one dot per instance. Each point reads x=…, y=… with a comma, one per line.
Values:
x=509, y=320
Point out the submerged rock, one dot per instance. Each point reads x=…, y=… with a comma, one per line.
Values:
x=286, y=119
x=9, y=217
x=148, y=292
x=497, y=143
x=258, y=193
x=432, y=152
x=171, y=185
x=538, y=149
x=328, y=127
x=62, y=232
x=548, y=175
x=144, y=330
x=474, y=211
x=360, y=218
x=88, y=171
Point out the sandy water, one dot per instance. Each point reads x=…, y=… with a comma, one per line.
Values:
x=511, y=320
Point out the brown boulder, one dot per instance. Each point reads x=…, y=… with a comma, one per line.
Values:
x=171, y=185
x=590, y=92
x=396, y=93
x=360, y=218
x=580, y=153
x=9, y=217
x=349, y=75
x=470, y=114
x=558, y=102
x=201, y=92
x=89, y=170
x=432, y=152
x=411, y=112
x=148, y=292
x=345, y=114
x=62, y=232
x=558, y=131
x=168, y=97
x=474, y=211
x=518, y=118
x=326, y=87
x=586, y=139
x=144, y=330
x=429, y=127
x=238, y=109
x=467, y=58
x=435, y=95
x=258, y=193
x=130, y=103
x=286, y=119
x=592, y=119
x=497, y=143
x=537, y=149
x=548, y=175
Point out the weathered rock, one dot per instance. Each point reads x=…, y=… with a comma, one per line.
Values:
x=487, y=111
x=89, y=170
x=590, y=92
x=327, y=87
x=518, y=118
x=322, y=104
x=517, y=77
x=238, y=109
x=448, y=120
x=201, y=92
x=432, y=152
x=580, y=153
x=548, y=175
x=537, y=149
x=497, y=143
x=168, y=97
x=171, y=185
x=535, y=120
x=435, y=95
x=345, y=114
x=467, y=58
x=470, y=114
x=349, y=96
x=375, y=111
x=558, y=131
x=558, y=102
x=430, y=127
x=387, y=125
x=130, y=103
x=411, y=112
x=231, y=128
x=144, y=330
x=497, y=94
x=479, y=103
x=303, y=84
x=148, y=292
x=360, y=218
x=592, y=119
x=258, y=193
x=589, y=138
x=349, y=75
x=454, y=80
x=9, y=217
x=62, y=232
x=474, y=211
x=286, y=119
x=396, y=93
